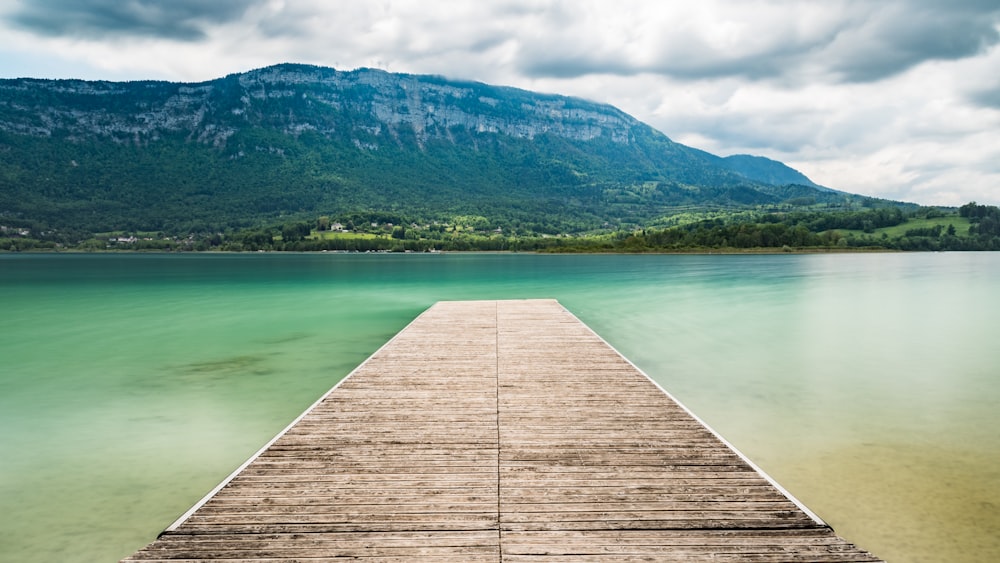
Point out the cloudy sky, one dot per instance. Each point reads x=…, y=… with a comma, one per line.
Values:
x=890, y=98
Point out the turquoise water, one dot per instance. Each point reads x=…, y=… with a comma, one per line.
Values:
x=867, y=385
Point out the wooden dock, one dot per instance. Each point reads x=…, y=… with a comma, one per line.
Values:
x=498, y=431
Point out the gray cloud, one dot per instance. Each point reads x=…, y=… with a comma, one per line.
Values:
x=170, y=19
x=685, y=47
x=854, y=41
x=542, y=61
x=983, y=87
x=987, y=98
x=895, y=37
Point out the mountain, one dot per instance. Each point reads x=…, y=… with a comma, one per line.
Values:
x=292, y=142
x=768, y=171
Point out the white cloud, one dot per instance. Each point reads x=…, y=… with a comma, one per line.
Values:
x=896, y=99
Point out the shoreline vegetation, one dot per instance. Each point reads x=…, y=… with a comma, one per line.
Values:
x=685, y=251
x=972, y=227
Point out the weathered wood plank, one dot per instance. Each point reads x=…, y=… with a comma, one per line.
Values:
x=498, y=429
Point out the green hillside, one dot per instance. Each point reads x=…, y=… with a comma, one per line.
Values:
x=244, y=157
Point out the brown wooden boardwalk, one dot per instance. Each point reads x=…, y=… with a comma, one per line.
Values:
x=498, y=431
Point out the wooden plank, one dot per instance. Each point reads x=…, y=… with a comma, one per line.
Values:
x=498, y=430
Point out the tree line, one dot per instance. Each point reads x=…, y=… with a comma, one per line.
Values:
x=392, y=232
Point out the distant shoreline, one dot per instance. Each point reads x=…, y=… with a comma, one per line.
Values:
x=693, y=251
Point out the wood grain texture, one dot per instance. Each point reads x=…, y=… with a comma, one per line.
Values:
x=499, y=431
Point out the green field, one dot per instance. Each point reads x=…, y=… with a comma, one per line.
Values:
x=334, y=235
x=961, y=227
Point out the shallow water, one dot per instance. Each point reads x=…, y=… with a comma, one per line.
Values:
x=867, y=385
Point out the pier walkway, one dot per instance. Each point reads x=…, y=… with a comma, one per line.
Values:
x=498, y=431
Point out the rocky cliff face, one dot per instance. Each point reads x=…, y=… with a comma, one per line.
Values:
x=362, y=105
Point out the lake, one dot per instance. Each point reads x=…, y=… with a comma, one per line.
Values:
x=867, y=385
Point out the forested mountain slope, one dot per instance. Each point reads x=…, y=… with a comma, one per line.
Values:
x=295, y=141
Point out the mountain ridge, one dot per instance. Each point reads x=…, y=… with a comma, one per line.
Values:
x=186, y=105
x=295, y=140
